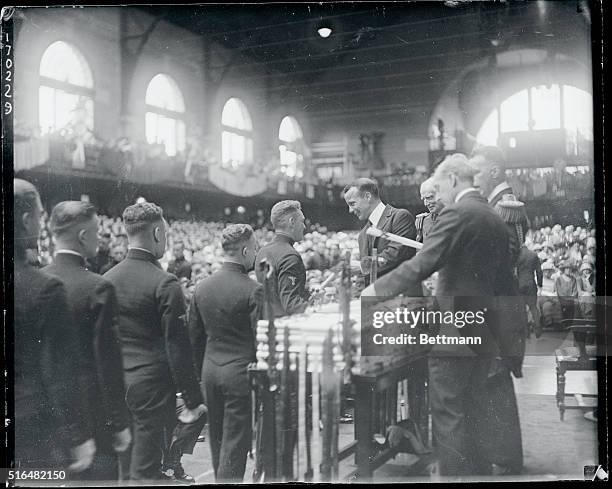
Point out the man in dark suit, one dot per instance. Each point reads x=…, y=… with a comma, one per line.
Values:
x=102, y=255
x=50, y=416
x=289, y=294
x=222, y=321
x=363, y=199
x=157, y=355
x=93, y=304
x=530, y=276
x=469, y=248
x=179, y=266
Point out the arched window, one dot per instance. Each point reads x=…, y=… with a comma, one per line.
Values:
x=66, y=86
x=237, y=135
x=165, y=111
x=290, y=137
x=543, y=107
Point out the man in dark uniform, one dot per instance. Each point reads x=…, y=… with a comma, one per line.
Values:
x=469, y=248
x=222, y=322
x=50, y=412
x=530, y=278
x=157, y=355
x=501, y=427
x=74, y=225
x=363, y=199
x=179, y=266
x=492, y=183
x=102, y=255
x=424, y=221
x=289, y=294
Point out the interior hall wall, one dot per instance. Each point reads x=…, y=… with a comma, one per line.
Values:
x=172, y=51
x=95, y=32
x=468, y=100
x=403, y=141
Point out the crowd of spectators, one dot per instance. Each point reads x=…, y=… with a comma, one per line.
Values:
x=530, y=184
x=567, y=258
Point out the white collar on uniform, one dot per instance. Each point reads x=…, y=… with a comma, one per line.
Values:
x=497, y=190
x=141, y=249
x=377, y=214
x=463, y=192
x=69, y=252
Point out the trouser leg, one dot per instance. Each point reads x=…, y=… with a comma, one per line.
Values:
x=151, y=404
x=451, y=382
x=500, y=433
x=236, y=438
x=182, y=439
x=215, y=403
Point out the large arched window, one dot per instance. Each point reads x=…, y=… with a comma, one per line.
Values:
x=165, y=111
x=539, y=108
x=290, y=140
x=66, y=86
x=237, y=135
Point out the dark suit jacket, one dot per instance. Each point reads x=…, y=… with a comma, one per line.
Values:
x=99, y=261
x=223, y=317
x=47, y=358
x=528, y=265
x=180, y=268
x=152, y=324
x=396, y=221
x=93, y=303
x=468, y=247
x=288, y=288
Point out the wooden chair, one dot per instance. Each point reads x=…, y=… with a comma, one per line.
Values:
x=581, y=356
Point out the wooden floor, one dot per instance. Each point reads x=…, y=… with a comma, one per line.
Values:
x=553, y=449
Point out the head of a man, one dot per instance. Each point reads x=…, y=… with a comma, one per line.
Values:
x=239, y=245
x=118, y=252
x=146, y=227
x=491, y=166
x=178, y=250
x=104, y=241
x=362, y=197
x=429, y=196
x=452, y=176
x=28, y=210
x=287, y=216
x=74, y=225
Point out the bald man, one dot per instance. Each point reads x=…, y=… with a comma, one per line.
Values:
x=426, y=220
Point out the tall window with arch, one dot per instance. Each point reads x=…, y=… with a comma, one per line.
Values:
x=164, y=122
x=290, y=147
x=66, y=90
x=236, y=135
x=543, y=107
